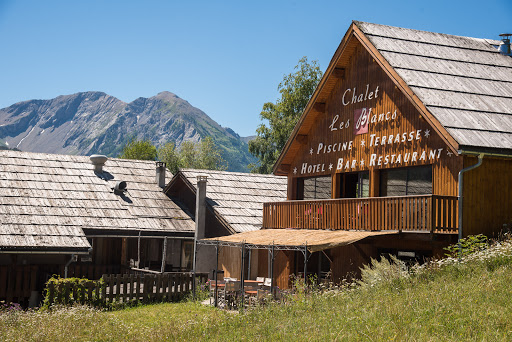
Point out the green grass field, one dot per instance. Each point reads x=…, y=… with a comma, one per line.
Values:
x=447, y=301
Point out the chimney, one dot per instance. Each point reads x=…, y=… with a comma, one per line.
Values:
x=160, y=174
x=505, y=44
x=98, y=161
x=200, y=207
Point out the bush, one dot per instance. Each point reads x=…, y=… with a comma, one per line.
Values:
x=468, y=245
x=69, y=291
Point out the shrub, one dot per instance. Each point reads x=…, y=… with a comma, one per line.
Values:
x=382, y=271
x=71, y=291
x=468, y=245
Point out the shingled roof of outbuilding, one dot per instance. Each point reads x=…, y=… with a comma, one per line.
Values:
x=462, y=86
x=50, y=202
x=237, y=198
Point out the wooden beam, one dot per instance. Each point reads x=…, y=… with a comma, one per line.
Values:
x=124, y=251
x=302, y=139
x=374, y=183
x=319, y=107
x=285, y=167
x=338, y=73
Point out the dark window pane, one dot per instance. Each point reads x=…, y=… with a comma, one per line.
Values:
x=406, y=181
x=317, y=188
x=363, y=184
x=420, y=181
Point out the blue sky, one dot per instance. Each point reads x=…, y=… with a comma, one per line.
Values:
x=224, y=57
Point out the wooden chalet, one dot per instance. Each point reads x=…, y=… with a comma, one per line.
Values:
x=404, y=145
x=61, y=214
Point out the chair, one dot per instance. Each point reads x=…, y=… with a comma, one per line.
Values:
x=251, y=293
x=260, y=279
x=220, y=291
x=263, y=296
x=231, y=293
x=268, y=282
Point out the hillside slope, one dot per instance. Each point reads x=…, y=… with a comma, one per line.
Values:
x=445, y=301
x=95, y=122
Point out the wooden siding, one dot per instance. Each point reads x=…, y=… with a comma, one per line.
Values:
x=229, y=261
x=17, y=282
x=347, y=260
x=487, y=196
x=364, y=73
x=428, y=213
x=283, y=265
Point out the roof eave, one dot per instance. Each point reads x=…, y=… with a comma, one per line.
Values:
x=487, y=151
x=48, y=250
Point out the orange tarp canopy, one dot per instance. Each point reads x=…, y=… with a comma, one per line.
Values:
x=316, y=240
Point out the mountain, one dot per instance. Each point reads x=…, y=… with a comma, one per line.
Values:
x=94, y=122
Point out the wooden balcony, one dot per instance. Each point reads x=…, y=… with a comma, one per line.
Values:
x=424, y=213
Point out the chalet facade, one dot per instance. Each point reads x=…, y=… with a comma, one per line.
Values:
x=62, y=215
x=404, y=145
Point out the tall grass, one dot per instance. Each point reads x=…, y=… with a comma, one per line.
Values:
x=446, y=300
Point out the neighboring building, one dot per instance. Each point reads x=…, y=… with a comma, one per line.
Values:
x=54, y=207
x=234, y=204
x=373, y=163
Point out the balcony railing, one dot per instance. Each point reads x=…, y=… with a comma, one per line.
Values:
x=424, y=213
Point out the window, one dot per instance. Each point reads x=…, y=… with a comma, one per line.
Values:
x=317, y=188
x=356, y=185
x=406, y=181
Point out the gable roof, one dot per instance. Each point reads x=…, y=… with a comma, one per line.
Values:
x=237, y=198
x=52, y=201
x=462, y=86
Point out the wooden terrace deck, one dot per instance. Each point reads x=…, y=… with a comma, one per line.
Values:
x=423, y=213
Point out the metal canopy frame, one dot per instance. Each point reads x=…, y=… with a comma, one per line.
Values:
x=299, y=248
x=218, y=244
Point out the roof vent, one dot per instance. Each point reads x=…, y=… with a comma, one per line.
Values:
x=98, y=161
x=505, y=44
x=120, y=188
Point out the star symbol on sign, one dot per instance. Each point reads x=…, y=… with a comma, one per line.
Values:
x=310, y=151
x=294, y=170
x=362, y=142
x=449, y=153
x=330, y=167
x=427, y=133
x=362, y=162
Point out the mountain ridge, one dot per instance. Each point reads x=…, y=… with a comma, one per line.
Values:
x=92, y=122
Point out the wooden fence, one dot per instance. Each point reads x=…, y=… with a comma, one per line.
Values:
x=125, y=288
x=429, y=213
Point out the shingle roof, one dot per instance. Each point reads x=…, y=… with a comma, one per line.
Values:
x=47, y=200
x=464, y=82
x=238, y=197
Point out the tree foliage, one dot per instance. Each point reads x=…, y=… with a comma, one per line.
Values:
x=209, y=156
x=295, y=89
x=202, y=155
x=170, y=156
x=138, y=149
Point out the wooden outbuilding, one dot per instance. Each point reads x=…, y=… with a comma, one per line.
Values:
x=407, y=138
x=233, y=204
x=62, y=215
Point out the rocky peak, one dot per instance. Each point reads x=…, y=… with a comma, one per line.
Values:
x=95, y=122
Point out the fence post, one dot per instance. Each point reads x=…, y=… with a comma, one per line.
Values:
x=51, y=293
